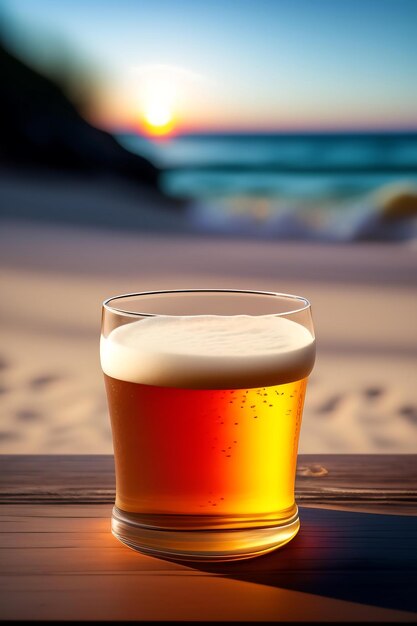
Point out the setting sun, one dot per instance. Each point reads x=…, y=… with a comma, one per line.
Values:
x=158, y=102
x=162, y=97
x=158, y=118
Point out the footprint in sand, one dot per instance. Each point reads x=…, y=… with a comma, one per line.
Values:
x=381, y=442
x=44, y=380
x=9, y=435
x=373, y=392
x=409, y=412
x=330, y=405
x=28, y=415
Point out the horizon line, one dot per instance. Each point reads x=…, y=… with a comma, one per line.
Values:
x=268, y=132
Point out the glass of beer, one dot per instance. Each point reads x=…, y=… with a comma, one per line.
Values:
x=205, y=390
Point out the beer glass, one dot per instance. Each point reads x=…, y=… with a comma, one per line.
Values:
x=205, y=390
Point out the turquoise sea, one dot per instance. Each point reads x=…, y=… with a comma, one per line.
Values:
x=287, y=183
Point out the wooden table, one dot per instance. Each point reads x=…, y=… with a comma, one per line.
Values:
x=355, y=557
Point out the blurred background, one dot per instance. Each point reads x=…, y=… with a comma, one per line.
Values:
x=178, y=144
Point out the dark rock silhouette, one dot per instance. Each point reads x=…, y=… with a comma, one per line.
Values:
x=40, y=128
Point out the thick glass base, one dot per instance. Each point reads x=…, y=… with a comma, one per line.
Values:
x=202, y=545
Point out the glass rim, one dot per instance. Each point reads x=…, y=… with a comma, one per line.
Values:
x=159, y=292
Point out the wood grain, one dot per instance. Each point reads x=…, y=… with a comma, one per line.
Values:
x=58, y=559
x=321, y=479
x=61, y=562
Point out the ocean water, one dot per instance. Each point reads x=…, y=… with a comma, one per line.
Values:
x=239, y=181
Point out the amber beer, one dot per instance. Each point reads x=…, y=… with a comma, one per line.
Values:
x=195, y=449
x=226, y=452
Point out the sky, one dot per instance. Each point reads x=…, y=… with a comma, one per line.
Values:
x=242, y=65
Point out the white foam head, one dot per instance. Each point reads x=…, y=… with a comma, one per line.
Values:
x=209, y=352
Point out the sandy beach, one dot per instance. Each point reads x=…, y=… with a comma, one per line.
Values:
x=361, y=396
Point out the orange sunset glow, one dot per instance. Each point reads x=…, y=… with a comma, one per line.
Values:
x=157, y=102
x=158, y=120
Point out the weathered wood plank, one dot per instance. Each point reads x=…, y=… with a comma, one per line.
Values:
x=61, y=562
x=179, y=599
x=321, y=479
